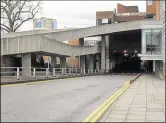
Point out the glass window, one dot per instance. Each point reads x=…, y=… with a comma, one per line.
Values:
x=150, y=2
x=105, y=20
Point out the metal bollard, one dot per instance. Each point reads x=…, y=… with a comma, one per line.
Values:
x=46, y=72
x=18, y=71
x=84, y=71
x=34, y=72
x=70, y=71
x=53, y=72
x=81, y=71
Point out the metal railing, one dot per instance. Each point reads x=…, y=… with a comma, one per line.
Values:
x=33, y=72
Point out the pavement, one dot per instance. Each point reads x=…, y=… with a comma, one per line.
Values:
x=60, y=100
x=143, y=101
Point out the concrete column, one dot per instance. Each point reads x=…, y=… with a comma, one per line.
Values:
x=26, y=64
x=107, y=53
x=103, y=54
x=91, y=63
x=53, y=61
x=82, y=62
x=81, y=41
x=97, y=62
x=62, y=62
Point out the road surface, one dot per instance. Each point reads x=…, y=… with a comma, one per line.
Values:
x=58, y=100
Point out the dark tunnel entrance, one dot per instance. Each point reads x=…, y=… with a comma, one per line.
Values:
x=125, y=49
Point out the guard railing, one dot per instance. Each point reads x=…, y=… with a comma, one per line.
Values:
x=45, y=72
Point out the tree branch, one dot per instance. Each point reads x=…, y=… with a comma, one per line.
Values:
x=14, y=12
x=5, y=26
x=25, y=20
x=4, y=29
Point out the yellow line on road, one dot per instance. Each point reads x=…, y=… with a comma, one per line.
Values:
x=31, y=83
x=27, y=83
x=102, y=105
x=108, y=105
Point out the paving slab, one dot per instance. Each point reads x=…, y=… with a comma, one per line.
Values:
x=143, y=101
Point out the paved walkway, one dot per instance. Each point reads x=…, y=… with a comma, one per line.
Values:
x=143, y=101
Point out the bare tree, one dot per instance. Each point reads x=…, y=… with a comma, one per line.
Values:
x=16, y=12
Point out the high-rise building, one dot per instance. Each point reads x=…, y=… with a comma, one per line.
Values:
x=44, y=23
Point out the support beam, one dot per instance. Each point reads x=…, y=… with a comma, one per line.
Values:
x=26, y=64
x=91, y=63
x=97, y=61
x=107, y=53
x=103, y=54
x=62, y=62
x=53, y=62
x=82, y=62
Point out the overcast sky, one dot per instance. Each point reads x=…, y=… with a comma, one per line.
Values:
x=77, y=14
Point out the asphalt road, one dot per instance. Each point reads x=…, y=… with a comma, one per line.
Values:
x=58, y=100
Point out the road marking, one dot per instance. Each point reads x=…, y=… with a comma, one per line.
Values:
x=106, y=102
x=35, y=82
x=26, y=83
x=108, y=105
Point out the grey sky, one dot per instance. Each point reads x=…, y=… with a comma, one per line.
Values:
x=73, y=14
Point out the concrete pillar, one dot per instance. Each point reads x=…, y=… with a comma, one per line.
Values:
x=103, y=54
x=97, y=62
x=53, y=61
x=91, y=63
x=81, y=41
x=62, y=62
x=107, y=53
x=26, y=64
x=82, y=62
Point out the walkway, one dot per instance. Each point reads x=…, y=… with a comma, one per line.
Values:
x=143, y=101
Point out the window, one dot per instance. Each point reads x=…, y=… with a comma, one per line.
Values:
x=153, y=42
x=150, y=2
x=105, y=20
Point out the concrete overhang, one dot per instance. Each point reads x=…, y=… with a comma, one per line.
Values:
x=152, y=26
x=70, y=34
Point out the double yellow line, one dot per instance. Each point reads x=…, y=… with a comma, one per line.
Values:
x=96, y=114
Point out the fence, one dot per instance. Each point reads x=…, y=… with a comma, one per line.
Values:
x=45, y=72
